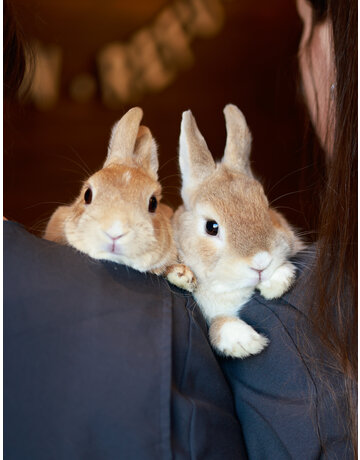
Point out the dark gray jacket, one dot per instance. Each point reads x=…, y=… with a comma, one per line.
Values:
x=283, y=402
x=103, y=362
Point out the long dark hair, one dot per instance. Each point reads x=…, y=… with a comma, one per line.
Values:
x=334, y=311
x=14, y=50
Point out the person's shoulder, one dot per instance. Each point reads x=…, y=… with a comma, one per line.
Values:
x=22, y=246
x=46, y=273
x=277, y=391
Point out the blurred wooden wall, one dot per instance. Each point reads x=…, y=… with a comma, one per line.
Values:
x=251, y=62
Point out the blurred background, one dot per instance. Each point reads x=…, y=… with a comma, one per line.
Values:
x=94, y=60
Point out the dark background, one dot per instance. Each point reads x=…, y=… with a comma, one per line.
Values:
x=251, y=62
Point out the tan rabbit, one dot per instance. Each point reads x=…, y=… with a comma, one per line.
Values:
x=227, y=234
x=118, y=215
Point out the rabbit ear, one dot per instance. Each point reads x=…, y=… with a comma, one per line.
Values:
x=238, y=142
x=196, y=161
x=145, y=151
x=123, y=137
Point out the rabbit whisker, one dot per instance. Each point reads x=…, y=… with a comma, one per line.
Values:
x=170, y=160
x=46, y=202
x=289, y=194
x=289, y=175
x=85, y=166
x=170, y=176
x=82, y=168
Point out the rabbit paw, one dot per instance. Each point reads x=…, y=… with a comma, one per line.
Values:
x=181, y=276
x=234, y=338
x=279, y=283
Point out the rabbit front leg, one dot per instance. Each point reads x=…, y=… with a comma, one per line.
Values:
x=181, y=276
x=280, y=282
x=233, y=337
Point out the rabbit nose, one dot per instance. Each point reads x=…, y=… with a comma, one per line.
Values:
x=261, y=261
x=114, y=238
x=115, y=232
x=256, y=270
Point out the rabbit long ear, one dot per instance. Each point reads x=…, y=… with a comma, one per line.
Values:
x=145, y=151
x=123, y=137
x=238, y=141
x=196, y=161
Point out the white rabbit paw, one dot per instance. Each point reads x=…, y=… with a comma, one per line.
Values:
x=234, y=338
x=279, y=283
x=181, y=276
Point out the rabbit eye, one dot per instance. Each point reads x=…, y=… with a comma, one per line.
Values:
x=153, y=204
x=212, y=227
x=88, y=196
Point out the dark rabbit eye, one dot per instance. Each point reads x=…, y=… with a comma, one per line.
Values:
x=88, y=196
x=212, y=227
x=153, y=204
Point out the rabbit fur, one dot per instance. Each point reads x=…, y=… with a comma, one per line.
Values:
x=253, y=243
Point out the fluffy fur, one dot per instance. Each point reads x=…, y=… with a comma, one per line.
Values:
x=254, y=242
x=117, y=224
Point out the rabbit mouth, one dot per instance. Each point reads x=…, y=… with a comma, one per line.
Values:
x=113, y=246
x=115, y=249
x=111, y=249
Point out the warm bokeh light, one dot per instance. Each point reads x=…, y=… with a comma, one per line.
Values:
x=100, y=58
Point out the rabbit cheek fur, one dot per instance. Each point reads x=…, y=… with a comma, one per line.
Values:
x=253, y=242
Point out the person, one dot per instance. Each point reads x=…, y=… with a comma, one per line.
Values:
x=298, y=399
x=103, y=362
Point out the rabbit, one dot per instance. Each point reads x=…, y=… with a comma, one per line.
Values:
x=228, y=235
x=118, y=215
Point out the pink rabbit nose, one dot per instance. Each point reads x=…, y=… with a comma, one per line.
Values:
x=114, y=238
x=258, y=271
x=115, y=231
x=260, y=262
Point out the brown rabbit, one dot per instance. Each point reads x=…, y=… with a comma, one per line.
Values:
x=118, y=215
x=227, y=234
